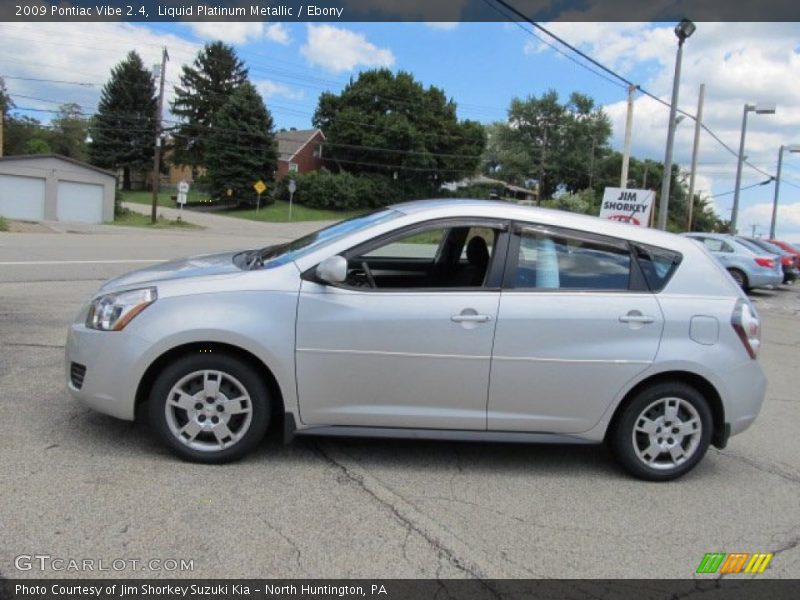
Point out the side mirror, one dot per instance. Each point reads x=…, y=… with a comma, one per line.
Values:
x=333, y=269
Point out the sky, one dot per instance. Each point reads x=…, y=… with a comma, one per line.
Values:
x=481, y=66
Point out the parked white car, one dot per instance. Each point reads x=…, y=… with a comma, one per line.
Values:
x=449, y=319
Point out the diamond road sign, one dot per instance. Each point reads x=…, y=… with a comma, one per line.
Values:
x=260, y=187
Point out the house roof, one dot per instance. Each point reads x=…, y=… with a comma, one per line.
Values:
x=73, y=161
x=291, y=142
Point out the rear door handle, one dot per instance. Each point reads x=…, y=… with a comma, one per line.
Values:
x=470, y=318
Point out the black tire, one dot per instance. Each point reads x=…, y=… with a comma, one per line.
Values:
x=740, y=278
x=624, y=445
x=235, y=375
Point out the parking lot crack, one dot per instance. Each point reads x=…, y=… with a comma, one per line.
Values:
x=389, y=501
x=297, y=552
x=770, y=469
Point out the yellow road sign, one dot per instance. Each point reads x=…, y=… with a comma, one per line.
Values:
x=260, y=187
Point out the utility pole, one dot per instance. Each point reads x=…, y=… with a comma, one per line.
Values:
x=156, y=183
x=626, y=152
x=698, y=122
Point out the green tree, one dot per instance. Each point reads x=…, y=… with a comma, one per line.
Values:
x=18, y=132
x=391, y=125
x=37, y=145
x=205, y=88
x=244, y=145
x=6, y=104
x=123, y=129
x=69, y=131
x=553, y=143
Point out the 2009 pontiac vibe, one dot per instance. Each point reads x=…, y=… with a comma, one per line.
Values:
x=462, y=320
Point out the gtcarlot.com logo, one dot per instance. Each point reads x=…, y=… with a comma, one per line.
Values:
x=735, y=562
x=46, y=562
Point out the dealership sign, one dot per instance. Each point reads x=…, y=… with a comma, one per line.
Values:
x=628, y=206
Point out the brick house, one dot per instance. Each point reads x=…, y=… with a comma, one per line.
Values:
x=299, y=151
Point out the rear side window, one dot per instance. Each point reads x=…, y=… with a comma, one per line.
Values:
x=657, y=265
x=549, y=260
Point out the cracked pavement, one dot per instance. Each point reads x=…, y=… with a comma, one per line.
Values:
x=76, y=484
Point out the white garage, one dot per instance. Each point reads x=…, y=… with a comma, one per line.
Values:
x=79, y=202
x=22, y=197
x=50, y=187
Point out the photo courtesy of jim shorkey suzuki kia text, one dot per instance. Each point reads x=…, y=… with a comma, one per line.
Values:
x=194, y=590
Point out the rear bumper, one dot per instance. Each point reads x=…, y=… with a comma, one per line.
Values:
x=764, y=279
x=745, y=388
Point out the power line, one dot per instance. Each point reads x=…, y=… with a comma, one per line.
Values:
x=625, y=80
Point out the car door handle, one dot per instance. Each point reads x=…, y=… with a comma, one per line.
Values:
x=636, y=318
x=470, y=318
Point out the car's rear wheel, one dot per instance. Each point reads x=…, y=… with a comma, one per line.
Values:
x=740, y=278
x=209, y=408
x=663, y=432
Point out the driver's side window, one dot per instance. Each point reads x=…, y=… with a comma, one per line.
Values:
x=457, y=256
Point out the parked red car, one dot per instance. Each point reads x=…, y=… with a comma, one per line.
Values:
x=787, y=247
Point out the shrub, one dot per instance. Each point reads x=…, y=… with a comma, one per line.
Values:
x=341, y=191
x=3, y=224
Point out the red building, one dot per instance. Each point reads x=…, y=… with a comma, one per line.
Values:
x=299, y=151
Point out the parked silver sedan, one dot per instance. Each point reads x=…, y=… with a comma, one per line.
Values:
x=443, y=319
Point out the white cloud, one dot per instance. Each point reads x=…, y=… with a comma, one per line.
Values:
x=81, y=52
x=738, y=62
x=760, y=214
x=336, y=49
x=277, y=32
x=268, y=88
x=239, y=33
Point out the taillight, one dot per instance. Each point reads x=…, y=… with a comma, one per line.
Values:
x=765, y=262
x=746, y=323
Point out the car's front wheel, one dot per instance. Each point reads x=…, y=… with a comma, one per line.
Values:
x=663, y=432
x=209, y=407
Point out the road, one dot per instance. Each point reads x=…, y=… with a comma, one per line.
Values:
x=75, y=484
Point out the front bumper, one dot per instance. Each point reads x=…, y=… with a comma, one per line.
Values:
x=112, y=374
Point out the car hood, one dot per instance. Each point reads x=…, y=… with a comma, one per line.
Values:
x=182, y=268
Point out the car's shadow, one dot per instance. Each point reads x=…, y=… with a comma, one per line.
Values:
x=106, y=435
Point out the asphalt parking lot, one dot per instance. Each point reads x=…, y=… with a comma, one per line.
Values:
x=79, y=485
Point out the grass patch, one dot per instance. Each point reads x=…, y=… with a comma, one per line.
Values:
x=164, y=198
x=134, y=219
x=279, y=213
x=3, y=224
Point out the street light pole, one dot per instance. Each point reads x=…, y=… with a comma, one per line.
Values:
x=683, y=30
x=793, y=148
x=759, y=109
x=695, y=146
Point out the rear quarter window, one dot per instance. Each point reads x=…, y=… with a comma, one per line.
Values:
x=657, y=264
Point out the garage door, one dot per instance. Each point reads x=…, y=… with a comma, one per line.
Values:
x=22, y=197
x=79, y=202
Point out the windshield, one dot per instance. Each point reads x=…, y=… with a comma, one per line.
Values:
x=274, y=256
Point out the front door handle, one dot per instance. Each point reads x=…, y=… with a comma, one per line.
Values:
x=635, y=316
x=470, y=318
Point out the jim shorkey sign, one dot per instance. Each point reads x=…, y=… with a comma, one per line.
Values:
x=626, y=205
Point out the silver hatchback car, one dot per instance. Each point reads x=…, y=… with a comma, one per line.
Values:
x=441, y=319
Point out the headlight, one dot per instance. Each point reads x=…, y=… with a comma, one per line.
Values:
x=112, y=312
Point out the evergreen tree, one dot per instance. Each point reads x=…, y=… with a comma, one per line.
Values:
x=123, y=129
x=243, y=143
x=205, y=88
